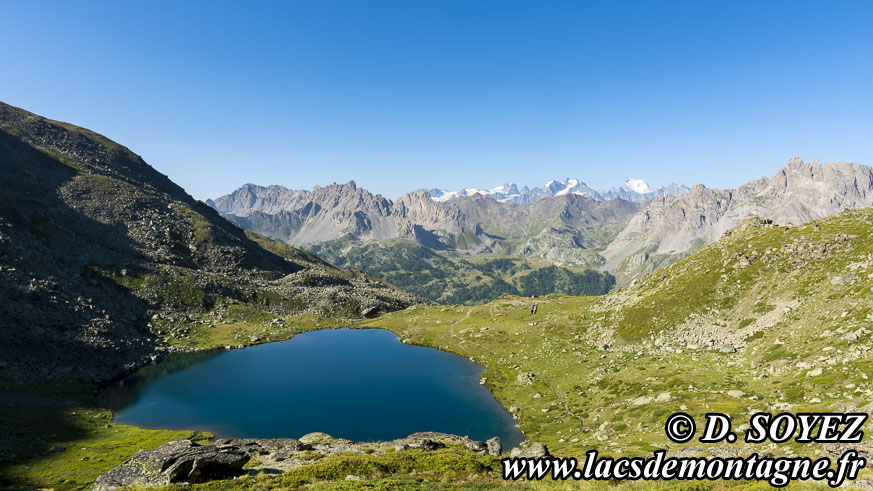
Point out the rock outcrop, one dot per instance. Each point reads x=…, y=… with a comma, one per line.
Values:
x=187, y=462
x=177, y=462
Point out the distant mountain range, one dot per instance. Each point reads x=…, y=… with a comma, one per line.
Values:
x=627, y=231
x=635, y=190
x=563, y=228
x=441, y=250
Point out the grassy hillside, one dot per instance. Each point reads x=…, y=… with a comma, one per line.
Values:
x=767, y=319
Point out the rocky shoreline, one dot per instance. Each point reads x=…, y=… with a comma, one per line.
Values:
x=227, y=458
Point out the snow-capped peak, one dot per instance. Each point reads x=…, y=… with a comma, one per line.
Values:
x=631, y=190
x=638, y=186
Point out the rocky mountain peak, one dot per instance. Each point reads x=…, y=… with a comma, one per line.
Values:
x=795, y=194
x=635, y=190
x=796, y=163
x=349, y=186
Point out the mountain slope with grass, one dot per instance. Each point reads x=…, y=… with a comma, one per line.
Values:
x=453, y=278
x=769, y=318
x=104, y=262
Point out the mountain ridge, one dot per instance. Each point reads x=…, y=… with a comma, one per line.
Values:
x=566, y=228
x=636, y=190
x=797, y=193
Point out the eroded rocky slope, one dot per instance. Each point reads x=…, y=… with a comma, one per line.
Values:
x=670, y=228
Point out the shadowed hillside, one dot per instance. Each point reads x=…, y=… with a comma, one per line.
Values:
x=102, y=258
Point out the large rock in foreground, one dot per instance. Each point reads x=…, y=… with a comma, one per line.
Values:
x=535, y=450
x=176, y=462
x=187, y=462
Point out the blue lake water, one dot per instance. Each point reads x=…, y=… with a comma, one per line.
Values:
x=359, y=384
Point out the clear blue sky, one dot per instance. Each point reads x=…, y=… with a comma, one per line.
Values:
x=416, y=93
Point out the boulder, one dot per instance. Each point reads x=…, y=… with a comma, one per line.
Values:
x=316, y=438
x=428, y=444
x=535, y=450
x=526, y=378
x=494, y=446
x=370, y=312
x=641, y=401
x=432, y=440
x=476, y=446
x=664, y=397
x=176, y=462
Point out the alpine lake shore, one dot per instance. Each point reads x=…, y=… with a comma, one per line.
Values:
x=769, y=318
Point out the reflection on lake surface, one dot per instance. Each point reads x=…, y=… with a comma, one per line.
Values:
x=356, y=384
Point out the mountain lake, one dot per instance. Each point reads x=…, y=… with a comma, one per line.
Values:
x=358, y=384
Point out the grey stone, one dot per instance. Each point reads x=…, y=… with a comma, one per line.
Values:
x=494, y=446
x=526, y=378
x=535, y=450
x=176, y=462
x=476, y=446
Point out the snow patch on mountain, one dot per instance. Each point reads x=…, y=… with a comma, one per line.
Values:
x=637, y=186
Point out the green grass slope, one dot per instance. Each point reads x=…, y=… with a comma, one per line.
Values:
x=767, y=319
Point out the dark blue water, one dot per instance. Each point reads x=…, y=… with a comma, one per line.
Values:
x=356, y=384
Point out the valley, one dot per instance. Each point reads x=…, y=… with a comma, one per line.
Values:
x=402, y=245
x=766, y=317
x=456, y=278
